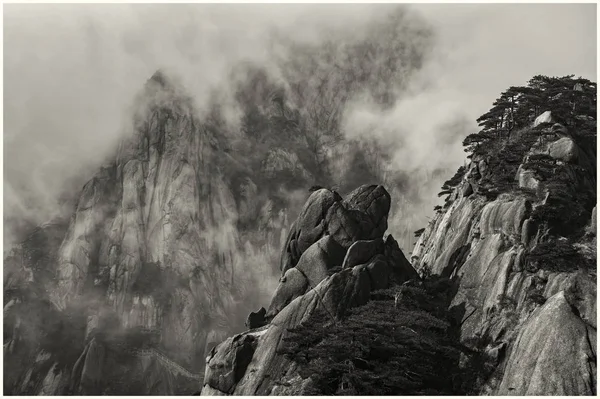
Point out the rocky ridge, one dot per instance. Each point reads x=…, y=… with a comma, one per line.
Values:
x=335, y=256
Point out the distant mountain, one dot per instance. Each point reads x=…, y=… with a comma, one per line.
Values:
x=176, y=238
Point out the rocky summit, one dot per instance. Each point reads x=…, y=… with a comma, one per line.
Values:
x=332, y=266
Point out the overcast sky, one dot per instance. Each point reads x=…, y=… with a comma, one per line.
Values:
x=70, y=72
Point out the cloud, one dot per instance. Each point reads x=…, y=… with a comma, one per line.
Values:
x=71, y=72
x=479, y=51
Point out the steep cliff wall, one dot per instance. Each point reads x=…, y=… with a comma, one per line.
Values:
x=524, y=265
x=164, y=237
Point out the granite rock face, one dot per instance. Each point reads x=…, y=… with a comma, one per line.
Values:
x=362, y=216
x=540, y=354
x=350, y=235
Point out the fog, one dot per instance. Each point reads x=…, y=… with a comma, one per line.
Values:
x=72, y=71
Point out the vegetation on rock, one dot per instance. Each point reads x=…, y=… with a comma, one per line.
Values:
x=402, y=342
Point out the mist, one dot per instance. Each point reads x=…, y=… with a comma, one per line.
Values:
x=72, y=71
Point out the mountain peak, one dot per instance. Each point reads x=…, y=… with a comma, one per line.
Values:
x=161, y=78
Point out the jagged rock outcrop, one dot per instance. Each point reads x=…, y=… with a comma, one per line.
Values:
x=351, y=235
x=308, y=228
x=362, y=217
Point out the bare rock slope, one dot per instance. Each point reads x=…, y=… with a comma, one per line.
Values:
x=524, y=269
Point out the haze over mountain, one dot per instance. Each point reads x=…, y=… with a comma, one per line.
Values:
x=172, y=168
x=72, y=70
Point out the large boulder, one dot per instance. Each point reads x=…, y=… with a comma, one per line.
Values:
x=362, y=216
x=309, y=227
x=316, y=262
x=527, y=178
x=291, y=286
x=374, y=201
x=563, y=149
x=362, y=251
x=228, y=363
x=346, y=226
x=546, y=117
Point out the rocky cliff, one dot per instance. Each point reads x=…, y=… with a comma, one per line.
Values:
x=527, y=298
x=518, y=237
x=514, y=245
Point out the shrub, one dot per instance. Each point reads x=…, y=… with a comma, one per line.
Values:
x=504, y=164
x=536, y=297
x=425, y=271
x=454, y=180
x=555, y=256
x=63, y=335
x=566, y=210
x=543, y=165
x=380, y=348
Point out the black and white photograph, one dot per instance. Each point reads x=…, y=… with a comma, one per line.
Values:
x=299, y=199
